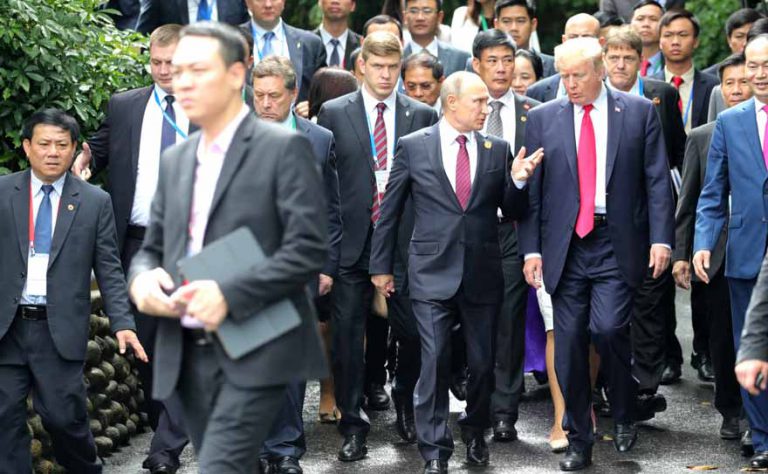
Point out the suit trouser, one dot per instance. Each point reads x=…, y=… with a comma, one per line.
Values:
x=376, y=333
x=510, y=326
x=650, y=323
x=351, y=300
x=165, y=417
x=403, y=324
x=227, y=423
x=592, y=302
x=756, y=407
x=286, y=438
x=673, y=348
x=700, y=314
x=31, y=362
x=431, y=400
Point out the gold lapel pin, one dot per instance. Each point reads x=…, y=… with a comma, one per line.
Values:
x=656, y=101
x=70, y=207
x=523, y=118
x=487, y=144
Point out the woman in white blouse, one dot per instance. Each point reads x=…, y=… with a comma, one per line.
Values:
x=468, y=20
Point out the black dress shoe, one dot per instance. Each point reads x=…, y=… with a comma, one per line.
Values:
x=576, y=460
x=377, y=397
x=747, y=448
x=730, y=428
x=759, y=460
x=353, y=449
x=458, y=385
x=287, y=465
x=504, y=431
x=404, y=423
x=265, y=467
x=477, y=451
x=624, y=436
x=600, y=403
x=163, y=469
x=647, y=405
x=436, y=466
x=671, y=374
x=703, y=365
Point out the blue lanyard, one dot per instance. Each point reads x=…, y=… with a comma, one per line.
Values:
x=640, y=86
x=688, y=108
x=167, y=118
x=370, y=135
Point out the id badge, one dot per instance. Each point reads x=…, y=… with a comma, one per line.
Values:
x=382, y=178
x=37, y=274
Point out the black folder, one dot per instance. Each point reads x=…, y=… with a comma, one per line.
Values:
x=239, y=253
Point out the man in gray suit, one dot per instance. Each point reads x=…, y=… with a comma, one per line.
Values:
x=57, y=229
x=423, y=18
x=238, y=172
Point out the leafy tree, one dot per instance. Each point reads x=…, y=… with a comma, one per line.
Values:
x=64, y=54
x=712, y=16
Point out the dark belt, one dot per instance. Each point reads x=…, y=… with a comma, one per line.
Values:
x=31, y=312
x=198, y=337
x=601, y=219
x=136, y=232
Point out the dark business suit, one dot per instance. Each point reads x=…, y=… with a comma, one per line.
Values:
x=287, y=435
x=545, y=89
x=733, y=195
x=639, y=212
x=273, y=170
x=451, y=58
x=702, y=89
x=48, y=355
x=352, y=293
x=713, y=298
x=129, y=13
x=510, y=340
x=548, y=64
x=353, y=42
x=306, y=52
x=115, y=148
x=454, y=271
x=156, y=13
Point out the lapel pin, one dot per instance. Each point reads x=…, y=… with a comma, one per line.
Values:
x=298, y=45
x=617, y=109
x=487, y=144
x=70, y=207
x=526, y=106
x=656, y=101
x=407, y=113
x=523, y=118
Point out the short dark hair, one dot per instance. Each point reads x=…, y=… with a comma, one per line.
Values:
x=536, y=63
x=232, y=44
x=739, y=18
x=55, y=117
x=645, y=3
x=760, y=27
x=426, y=60
x=329, y=83
x=607, y=19
x=439, y=4
x=502, y=4
x=354, y=55
x=490, y=39
x=732, y=60
x=676, y=14
x=383, y=20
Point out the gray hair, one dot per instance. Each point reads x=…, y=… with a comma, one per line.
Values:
x=276, y=66
x=454, y=84
x=579, y=48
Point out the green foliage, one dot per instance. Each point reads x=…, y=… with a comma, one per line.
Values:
x=712, y=15
x=64, y=54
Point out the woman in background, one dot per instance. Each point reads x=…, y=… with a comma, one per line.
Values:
x=528, y=70
x=468, y=20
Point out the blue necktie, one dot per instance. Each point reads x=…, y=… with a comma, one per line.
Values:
x=44, y=222
x=266, y=50
x=168, y=136
x=203, y=11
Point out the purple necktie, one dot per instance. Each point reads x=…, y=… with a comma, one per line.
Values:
x=463, y=178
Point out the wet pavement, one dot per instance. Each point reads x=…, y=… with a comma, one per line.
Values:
x=684, y=435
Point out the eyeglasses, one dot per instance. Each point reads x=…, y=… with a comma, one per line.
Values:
x=426, y=11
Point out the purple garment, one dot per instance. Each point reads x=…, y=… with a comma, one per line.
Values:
x=535, y=336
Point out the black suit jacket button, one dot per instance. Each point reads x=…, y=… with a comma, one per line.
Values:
x=23, y=275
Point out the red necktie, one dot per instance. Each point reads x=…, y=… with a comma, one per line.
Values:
x=676, y=81
x=587, y=161
x=644, y=67
x=463, y=178
x=380, y=142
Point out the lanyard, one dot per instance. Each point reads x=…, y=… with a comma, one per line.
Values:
x=640, y=86
x=168, y=118
x=32, y=220
x=483, y=23
x=688, y=107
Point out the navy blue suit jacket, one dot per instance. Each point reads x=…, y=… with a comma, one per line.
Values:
x=545, y=89
x=450, y=246
x=702, y=89
x=639, y=201
x=156, y=13
x=735, y=168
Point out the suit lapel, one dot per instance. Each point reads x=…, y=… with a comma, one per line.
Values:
x=359, y=120
x=296, y=52
x=232, y=160
x=565, y=118
x=521, y=117
x=403, y=118
x=615, y=125
x=137, y=119
x=749, y=127
x=69, y=205
x=350, y=46
x=699, y=90
x=434, y=152
x=20, y=207
x=185, y=168
x=483, y=158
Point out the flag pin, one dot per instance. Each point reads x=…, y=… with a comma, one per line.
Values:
x=407, y=113
x=487, y=144
x=70, y=207
x=617, y=109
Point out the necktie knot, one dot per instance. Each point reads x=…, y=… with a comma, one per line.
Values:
x=765, y=108
x=462, y=140
x=496, y=105
x=588, y=108
x=170, y=99
x=47, y=188
x=676, y=81
x=381, y=106
x=335, y=42
x=269, y=35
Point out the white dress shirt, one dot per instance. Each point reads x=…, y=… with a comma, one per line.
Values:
x=507, y=113
x=210, y=159
x=149, y=154
x=685, y=94
x=372, y=111
x=449, y=149
x=37, y=199
x=431, y=47
x=634, y=90
x=194, y=5
x=762, y=118
x=279, y=41
x=599, y=116
x=342, y=48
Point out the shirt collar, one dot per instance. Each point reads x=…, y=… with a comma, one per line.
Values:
x=687, y=75
x=277, y=30
x=327, y=37
x=451, y=134
x=634, y=90
x=431, y=47
x=36, y=184
x=221, y=144
x=601, y=103
x=507, y=99
x=370, y=101
x=655, y=59
x=758, y=105
x=161, y=94
x=289, y=121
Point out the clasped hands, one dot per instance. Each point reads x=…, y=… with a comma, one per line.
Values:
x=154, y=293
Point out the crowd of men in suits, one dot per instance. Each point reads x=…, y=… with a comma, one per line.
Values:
x=619, y=172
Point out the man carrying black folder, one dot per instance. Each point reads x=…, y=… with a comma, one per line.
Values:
x=238, y=172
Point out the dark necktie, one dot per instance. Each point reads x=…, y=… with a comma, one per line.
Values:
x=676, y=81
x=203, y=11
x=44, y=222
x=334, y=61
x=168, y=136
x=266, y=49
x=380, y=142
x=587, y=165
x=463, y=176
